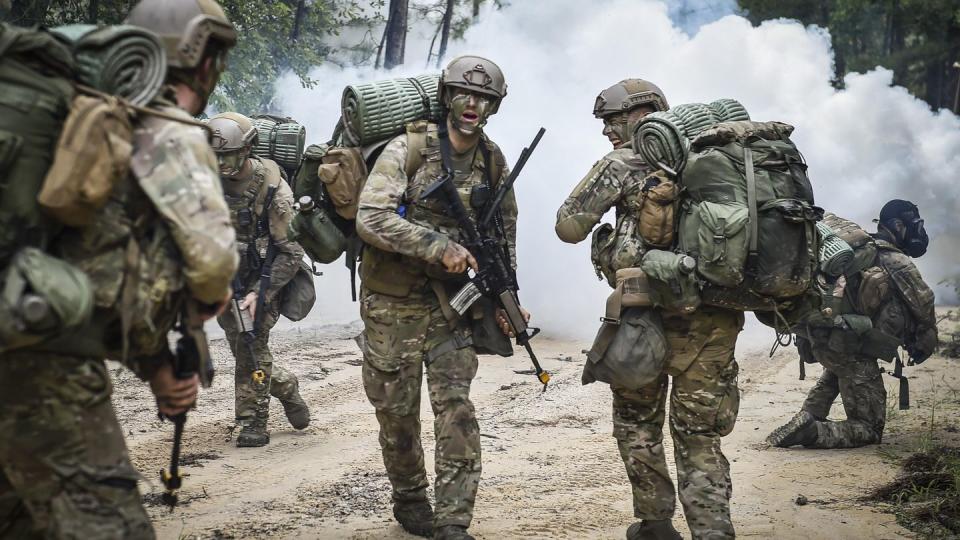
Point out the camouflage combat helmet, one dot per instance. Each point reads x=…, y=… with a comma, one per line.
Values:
x=476, y=74
x=231, y=131
x=629, y=94
x=185, y=27
x=233, y=137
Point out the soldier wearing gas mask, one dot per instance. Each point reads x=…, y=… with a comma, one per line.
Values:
x=900, y=305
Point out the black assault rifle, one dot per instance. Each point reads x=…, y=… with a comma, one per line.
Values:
x=495, y=278
x=192, y=357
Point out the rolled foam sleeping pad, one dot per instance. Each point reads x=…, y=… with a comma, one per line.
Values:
x=121, y=60
x=663, y=138
x=375, y=111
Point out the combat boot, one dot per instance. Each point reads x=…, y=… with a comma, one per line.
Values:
x=253, y=435
x=452, y=532
x=801, y=429
x=416, y=517
x=298, y=414
x=653, y=529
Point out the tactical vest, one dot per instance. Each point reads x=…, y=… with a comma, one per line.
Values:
x=644, y=218
x=399, y=275
x=245, y=212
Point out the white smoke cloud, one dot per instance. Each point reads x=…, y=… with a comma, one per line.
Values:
x=865, y=144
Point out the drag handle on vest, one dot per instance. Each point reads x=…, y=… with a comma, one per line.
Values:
x=192, y=357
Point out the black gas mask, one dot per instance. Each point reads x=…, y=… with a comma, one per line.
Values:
x=912, y=239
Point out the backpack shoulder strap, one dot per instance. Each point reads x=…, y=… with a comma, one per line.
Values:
x=271, y=176
x=417, y=135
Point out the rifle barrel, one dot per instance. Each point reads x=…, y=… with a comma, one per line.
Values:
x=507, y=184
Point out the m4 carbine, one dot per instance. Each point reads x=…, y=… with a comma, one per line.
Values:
x=495, y=278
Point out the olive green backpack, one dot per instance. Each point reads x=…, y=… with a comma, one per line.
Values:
x=749, y=216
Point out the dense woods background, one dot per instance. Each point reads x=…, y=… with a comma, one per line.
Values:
x=919, y=40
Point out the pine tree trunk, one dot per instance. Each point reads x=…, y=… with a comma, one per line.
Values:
x=476, y=8
x=445, y=31
x=93, y=12
x=396, y=34
x=298, y=19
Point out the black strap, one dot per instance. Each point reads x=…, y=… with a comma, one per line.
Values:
x=424, y=97
x=897, y=373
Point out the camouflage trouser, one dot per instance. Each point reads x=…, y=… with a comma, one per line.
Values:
x=64, y=468
x=857, y=380
x=253, y=400
x=704, y=401
x=399, y=333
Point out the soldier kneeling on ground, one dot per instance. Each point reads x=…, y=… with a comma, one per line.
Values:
x=899, y=303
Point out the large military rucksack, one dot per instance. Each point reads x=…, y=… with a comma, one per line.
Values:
x=749, y=218
x=328, y=182
x=64, y=143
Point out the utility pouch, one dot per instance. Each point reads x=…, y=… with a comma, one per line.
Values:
x=630, y=354
x=299, y=294
x=343, y=172
x=92, y=156
x=656, y=220
x=487, y=336
x=602, y=244
x=41, y=296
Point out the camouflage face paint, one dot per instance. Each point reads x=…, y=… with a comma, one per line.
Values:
x=469, y=111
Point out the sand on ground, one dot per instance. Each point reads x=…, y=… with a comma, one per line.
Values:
x=550, y=465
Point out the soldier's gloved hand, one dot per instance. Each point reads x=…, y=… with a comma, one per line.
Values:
x=174, y=396
x=504, y=323
x=250, y=303
x=457, y=258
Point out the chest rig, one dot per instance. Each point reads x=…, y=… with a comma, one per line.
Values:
x=246, y=211
x=398, y=275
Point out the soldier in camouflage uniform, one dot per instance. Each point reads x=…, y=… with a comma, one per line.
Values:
x=704, y=398
x=247, y=180
x=900, y=304
x=163, y=238
x=412, y=262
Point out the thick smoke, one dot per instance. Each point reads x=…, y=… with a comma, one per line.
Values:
x=865, y=144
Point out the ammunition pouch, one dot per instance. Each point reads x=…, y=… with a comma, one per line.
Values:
x=628, y=354
x=390, y=273
x=41, y=297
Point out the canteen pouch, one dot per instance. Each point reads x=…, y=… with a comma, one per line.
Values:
x=92, y=156
x=64, y=291
x=630, y=354
x=486, y=334
x=318, y=234
x=671, y=289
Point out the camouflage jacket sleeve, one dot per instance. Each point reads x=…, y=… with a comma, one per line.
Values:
x=378, y=222
x=178, y=172
x=289, y=253
x=599, y=190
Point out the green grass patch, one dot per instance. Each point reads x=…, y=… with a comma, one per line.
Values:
x=926, y=494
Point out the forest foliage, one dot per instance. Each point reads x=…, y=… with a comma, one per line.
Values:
x=919, y=40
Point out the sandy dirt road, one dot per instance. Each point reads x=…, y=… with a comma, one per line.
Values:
x=550, y=466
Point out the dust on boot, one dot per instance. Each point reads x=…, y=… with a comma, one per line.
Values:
x=416, y=517
x=801, y=429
